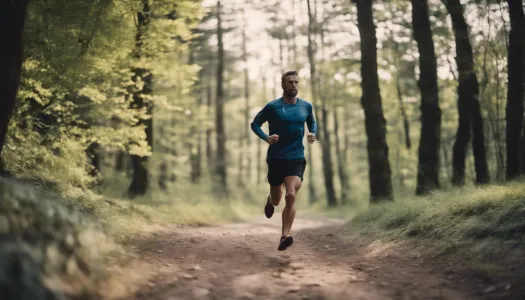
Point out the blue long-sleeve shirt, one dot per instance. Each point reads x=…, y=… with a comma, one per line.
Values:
x=286, y=120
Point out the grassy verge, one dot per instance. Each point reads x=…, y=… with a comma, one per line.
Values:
x=480, y=228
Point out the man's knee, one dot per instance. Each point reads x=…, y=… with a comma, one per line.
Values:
x=290, y=197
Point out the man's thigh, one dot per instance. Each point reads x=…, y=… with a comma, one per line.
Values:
x=292, y=183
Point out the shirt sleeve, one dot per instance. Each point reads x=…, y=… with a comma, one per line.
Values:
x=258, y=121
x=310, y=120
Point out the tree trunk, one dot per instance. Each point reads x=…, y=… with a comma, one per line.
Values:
x=209, y=149
x=516, y=89
x=468, y=102
x=140, y=180
x=12, y=21
x=430, y=138
x=245, y=151
x=94, y=156
x=219, y=109
x=341, y=163
x=311, y=59
x=259, y=146
x=379, y=167
x=328, y=169
x=163, y=176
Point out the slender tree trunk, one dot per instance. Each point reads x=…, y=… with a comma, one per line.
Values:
x=12, y=21
x=430, y=138
x=209, y=149
x=341, y=163
x=516, y=89
x=219, y=112
x=140, y=180
x=375, y=123
x=311, y=59
x=247, y=151
x=328, y=167
x=294, y=41
x=259, y=146
x=468, y=101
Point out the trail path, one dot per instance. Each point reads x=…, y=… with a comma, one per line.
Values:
x=241, y=261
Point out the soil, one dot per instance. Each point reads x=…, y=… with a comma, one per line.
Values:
x=241, y=261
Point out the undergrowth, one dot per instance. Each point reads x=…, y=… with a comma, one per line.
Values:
x=477, y=217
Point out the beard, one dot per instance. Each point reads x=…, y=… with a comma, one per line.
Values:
x=290, y=93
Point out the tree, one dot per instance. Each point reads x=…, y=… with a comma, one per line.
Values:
x=470, y=119
x=379, y=166
x=516, y=91
x=428, y=163
x=219, y=108
x=12, y=21
x=143, y=87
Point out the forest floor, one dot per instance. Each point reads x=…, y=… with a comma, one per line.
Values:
x=241, y=261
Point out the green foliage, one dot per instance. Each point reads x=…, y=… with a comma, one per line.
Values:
x=76, y=84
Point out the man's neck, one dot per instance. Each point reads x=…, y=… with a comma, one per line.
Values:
x=290, y=100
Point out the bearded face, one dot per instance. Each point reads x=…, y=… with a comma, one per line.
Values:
x=290, y=85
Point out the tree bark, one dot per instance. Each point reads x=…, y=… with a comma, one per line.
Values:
x=468, y=102
x=430, y=138
x=247, y=147
x=328, y=170
x=140, y=180
x=312, y=194
x=328, y=167
x=219, y=109
x=341, y=163
x=209, y=148
x=12, y=21
x=375, y=123
x=516, y=90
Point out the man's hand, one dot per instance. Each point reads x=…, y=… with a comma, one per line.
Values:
x=311, y=138
x=272, y=139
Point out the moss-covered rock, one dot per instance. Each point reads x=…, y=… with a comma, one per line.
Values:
x=47, y=245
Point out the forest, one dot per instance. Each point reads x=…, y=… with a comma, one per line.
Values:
x=123, y=115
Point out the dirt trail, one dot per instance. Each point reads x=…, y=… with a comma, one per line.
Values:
x=241, y=261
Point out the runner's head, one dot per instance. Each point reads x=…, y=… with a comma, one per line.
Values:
x=289, y=83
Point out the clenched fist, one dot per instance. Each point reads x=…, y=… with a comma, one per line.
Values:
x=311, y=138
x=272, y=139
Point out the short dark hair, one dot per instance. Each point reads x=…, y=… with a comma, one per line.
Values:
x=289, y=73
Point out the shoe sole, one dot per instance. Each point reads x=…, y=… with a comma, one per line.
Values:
x=287, y=242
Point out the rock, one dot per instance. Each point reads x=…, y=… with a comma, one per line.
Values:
x=490, y=289
x=313, y=284
x=196, y=268
x=293, y=289
x=247, y=296
x=200, y=292
x=188, y=276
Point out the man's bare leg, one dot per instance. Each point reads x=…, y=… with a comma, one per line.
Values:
x=276, y=193
x=292, y=184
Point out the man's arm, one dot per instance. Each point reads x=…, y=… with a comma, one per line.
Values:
x=257, y=122
x=310, y=120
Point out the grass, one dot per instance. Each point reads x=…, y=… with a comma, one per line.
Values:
x=481, y=228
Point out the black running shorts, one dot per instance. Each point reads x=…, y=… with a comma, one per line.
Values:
x=280, y=168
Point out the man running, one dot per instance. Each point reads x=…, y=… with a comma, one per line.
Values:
x=286, y=117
